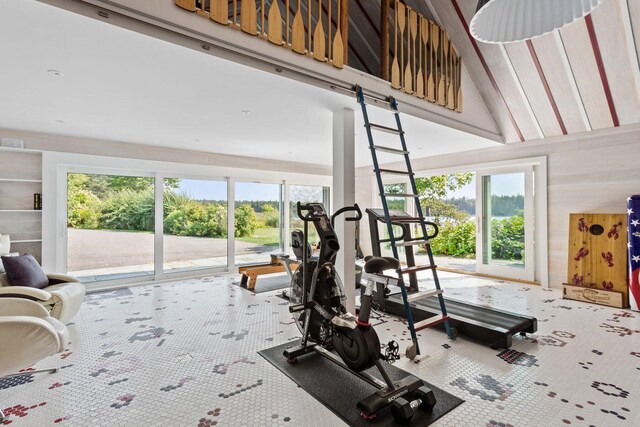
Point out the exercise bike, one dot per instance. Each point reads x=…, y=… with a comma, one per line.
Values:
x=317, y=302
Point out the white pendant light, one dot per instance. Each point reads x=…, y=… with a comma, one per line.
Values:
x=506, y=21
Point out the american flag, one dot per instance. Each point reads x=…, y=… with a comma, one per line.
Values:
x=633, y=213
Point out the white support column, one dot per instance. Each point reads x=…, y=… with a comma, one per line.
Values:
x=344, y=190
x=158, y=233
x=286, y=238
x=231, y=225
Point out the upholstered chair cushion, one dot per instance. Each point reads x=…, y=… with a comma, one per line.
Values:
x=24, y=270
x=5, y=244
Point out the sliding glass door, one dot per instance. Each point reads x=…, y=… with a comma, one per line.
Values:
x=110, y=226
x=505, y=223
x=258, y=221
x=121, y=225
x=194, y=223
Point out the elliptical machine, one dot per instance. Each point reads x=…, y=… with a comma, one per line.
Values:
x=317, y=302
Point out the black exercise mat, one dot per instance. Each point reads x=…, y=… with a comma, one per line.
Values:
x=340, y=391
x=267, y=284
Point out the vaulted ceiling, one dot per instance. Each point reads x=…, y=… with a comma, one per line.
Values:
x=582, y=77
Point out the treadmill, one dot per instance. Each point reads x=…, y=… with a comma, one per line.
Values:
x=479, y=323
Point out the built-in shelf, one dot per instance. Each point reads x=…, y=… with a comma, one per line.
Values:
x=20, y=180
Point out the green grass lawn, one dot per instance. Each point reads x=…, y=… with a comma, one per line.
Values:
x=263, y=236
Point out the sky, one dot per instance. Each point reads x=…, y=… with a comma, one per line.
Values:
x=510, y=184
x=504, y=184
x=217, y=190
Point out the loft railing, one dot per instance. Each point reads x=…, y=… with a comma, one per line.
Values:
x=422, y=60
x=316, y=28
x=416, y=55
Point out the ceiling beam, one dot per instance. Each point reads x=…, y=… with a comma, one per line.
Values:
x=545, y=84
x=487, y=69
x=628, y=29
x=523, y=95
x=572, y=80
x=603, y=74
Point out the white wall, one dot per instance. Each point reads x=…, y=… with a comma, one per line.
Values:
x=590, y=172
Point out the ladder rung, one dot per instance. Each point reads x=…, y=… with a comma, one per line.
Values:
x=383, y=105
x=394, y=171
x=418, y=268
x=422, y=295
x=390, y=150
x=384, y=129
x=400, y=195
x=431, y=321
x=416, y=242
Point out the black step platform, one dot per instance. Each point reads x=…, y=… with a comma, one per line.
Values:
x=481, y=324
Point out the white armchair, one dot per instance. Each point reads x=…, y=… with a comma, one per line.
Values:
x=62, y=298
x=28, y=334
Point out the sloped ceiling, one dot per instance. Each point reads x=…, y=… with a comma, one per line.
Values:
x=580, y=78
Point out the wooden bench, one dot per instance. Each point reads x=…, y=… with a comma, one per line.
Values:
x=278, y=264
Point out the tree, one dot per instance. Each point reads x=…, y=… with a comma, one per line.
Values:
x=434, y=189
x=437, y=187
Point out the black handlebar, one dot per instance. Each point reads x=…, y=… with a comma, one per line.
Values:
x=355, y=208
x=308, y=208
x=306, y=213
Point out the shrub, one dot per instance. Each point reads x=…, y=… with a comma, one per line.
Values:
x=456, y=239
x=187, y=217
x=507, y=238
x=246, y=221
x=83, y=209
x=128, y=210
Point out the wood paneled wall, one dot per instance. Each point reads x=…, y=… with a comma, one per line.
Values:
x=587, y=172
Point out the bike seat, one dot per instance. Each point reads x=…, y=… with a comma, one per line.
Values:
x=376, y=265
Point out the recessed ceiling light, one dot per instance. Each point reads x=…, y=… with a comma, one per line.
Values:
x=59, y=121
x=196, y=139
x=56, y=73
x=246, y=112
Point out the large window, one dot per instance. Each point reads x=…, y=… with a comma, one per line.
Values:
x=258, y=219
x=121, y=225
x=110, y=226
x=306, y=194
x=195, y=224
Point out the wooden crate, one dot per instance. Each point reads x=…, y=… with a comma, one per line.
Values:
x=593, y=295
x=597, y=254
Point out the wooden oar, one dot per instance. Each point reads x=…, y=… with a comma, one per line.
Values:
x=220, y=11
x=402, y=19
x=459, y=88
x=338, y=47
x=395, y=68
x=248, y=14
x=318, y=37
x=297, y=32
x=451, y=92
x=421, y=48
x=411, y=40
x=275, y=24
x=443, y=69
x=189, y=5
x=329, y=22
x=432, y=87
x=445, y=61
